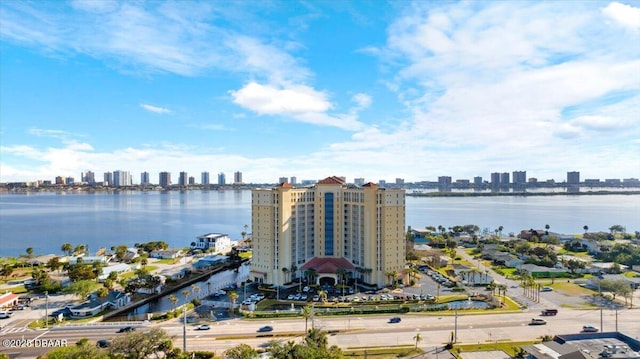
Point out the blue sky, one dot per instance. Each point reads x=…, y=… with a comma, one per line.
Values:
x=372, y=89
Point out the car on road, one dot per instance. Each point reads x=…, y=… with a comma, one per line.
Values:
x=266, y=328
x=589, y=328
x=103, y=343
x=5, y=315
x=203, y=327
x=395, y=320
x=126, y=329
x=538, y=321
x=547, y=312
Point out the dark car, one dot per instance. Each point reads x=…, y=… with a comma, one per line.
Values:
x=266, y=328
x=103, y=343
x=395, y=320
x=64, y=311
x=126, y=329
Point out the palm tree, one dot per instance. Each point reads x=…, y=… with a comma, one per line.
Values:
x=323, y=295
x=546, y=228
x=233, y=296
x=500, y=230
x=341, y=273
x=195, y=290
x=586, y=228
x=67, y=248
x=174, y=300
x=307, y=312
x=186, y=295
x=285, y=270
x=417, y=338
x=30, y=252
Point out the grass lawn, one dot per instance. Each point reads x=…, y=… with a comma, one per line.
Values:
x=382, y=353
x=563, y=251
x=508, y=347
x=569, y=288
x=167, y=261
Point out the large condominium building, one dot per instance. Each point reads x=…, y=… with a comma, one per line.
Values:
x=144, y=179
x=222, y=179
x=164, y=179
x=328, y=230
x=204, y=178
x=183, y=180
x=237, y=177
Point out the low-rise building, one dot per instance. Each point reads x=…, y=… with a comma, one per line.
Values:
x=94, y=305
x=586, y=346
x=214, y=242
x=166, y=254
x=118, y=268
x=8, y=300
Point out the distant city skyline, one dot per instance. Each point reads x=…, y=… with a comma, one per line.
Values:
x=375, y=90
x=113, y=178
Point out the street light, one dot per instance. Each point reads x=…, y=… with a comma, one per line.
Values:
x=46, y=309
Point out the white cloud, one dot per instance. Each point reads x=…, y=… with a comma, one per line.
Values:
x=267, y=99
x=297, y=102
x=626, y=15
x=155, y=109
x=362, y=100
x=59, y=134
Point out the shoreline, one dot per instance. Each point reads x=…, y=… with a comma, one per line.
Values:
x=519, y=194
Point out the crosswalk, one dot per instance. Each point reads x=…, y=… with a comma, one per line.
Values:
x=8, y=330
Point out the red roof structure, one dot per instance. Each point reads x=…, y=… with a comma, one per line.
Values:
x=8, y=299
x=332, y=180
x=285, y=185
x=327, y=264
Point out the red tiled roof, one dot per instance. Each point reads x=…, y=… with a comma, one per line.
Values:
x=370, y=184
x=285, y=185
x=327, y=264
x=332, y=180
x=8, y=299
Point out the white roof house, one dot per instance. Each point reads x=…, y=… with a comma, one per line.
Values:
x=216, y=242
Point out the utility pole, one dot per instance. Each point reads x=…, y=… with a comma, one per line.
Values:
x=46, y=309
x=455, y=328
x=184, y=328
x=600, y=304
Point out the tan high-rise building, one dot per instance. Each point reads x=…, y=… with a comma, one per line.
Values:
x=317, y=232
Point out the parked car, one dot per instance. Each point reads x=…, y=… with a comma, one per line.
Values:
x=103, y=343
x=266, y=328
x=5, y=315
x=126, y=329
x=538, y=321
x=203, y=327
x=589, y=328
x=395, y=320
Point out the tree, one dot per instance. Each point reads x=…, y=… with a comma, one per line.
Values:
x=417, y=338
x=174, y=300
x=121, y=252
x=233, y=296
x=142, y=344
x=6, y=270
x=83, y=349
x=546, y=228
x=144, y=262
x=54, y=263
x=307, y=312
x=80, y=248
x=574, y=264
x=242, y=351
x=103, y=292
x=285, y=270
x=500, y=230
x=30, y=252
x=81, y=288
x=586, y=228
x=66, y=248
x=39, y=275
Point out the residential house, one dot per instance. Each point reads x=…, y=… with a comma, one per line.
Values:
x=592, y=283
x=213, y=242
x=119, y=268
x=130, y=255
x=531, y=234
x=174, y=273
x=89, y=259
x=209, y=262
x=94, y=305
x=166, y=254
x=40, y=260
x=607, y=267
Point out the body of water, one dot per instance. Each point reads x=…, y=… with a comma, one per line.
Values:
x=45, y=220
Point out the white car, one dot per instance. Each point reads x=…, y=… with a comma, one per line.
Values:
x=203, y=327
x=589, y=329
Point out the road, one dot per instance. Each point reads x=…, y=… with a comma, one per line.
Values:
x=352, y=331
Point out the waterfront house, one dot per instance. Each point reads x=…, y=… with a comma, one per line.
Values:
x=213, y=242
x=90, y=259
x=208, y=262
x=94, y=305
x=175, y=273
x=166, y=254
x=40, y=260
x=118, y=268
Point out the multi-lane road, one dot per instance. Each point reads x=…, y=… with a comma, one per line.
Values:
x=346, y=332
